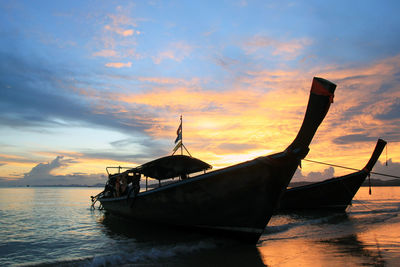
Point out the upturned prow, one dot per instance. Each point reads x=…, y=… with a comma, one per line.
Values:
x=380, y=145
x=321, y=97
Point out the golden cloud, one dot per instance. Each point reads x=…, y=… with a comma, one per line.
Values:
x=119, y=65
x=264, y=110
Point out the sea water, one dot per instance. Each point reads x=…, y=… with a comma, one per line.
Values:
x=54, y=226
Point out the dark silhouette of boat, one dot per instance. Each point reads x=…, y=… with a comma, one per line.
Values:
x=238, y=200
x=331, y=194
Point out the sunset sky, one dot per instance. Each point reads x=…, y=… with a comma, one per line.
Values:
x=90, y=84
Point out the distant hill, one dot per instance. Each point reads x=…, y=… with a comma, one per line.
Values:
x=374, y=182
x=378, y=182
x=69, y=185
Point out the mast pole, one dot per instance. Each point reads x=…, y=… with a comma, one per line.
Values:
x=181, y=136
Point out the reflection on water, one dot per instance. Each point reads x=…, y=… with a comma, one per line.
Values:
x=384, y=240
x=348, y=251
x=351, y=246
x=179, y=246
x=368, y=233
x=145, y=232
x=315, y=240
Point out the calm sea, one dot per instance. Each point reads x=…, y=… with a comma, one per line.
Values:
x=55, y=226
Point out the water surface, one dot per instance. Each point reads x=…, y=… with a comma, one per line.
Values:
x=55, y=226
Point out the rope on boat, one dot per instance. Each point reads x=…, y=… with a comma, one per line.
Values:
x=369, y=183
x=95, y=199
x=344, y=167
x=386, y=153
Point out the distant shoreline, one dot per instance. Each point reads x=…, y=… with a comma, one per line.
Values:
x=374, y=182
x=71, y=185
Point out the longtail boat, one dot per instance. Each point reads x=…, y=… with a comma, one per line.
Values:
x=331, y=194
x=238, y=200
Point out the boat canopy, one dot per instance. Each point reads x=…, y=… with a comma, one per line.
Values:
x=172, y=166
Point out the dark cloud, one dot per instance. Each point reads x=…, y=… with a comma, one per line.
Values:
x=382, y=94
x=356, y=110
x=390, y=87
x=41, y=175
x=392, y=168
x=392, y=113
x=388, y=136
x=225, y=61
x=44, y=169
x=123, y=143
x=353, y=138
x=150, y=149
x=35, y=93
x=121, y=157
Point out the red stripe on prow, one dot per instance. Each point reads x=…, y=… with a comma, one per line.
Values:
x=318, y=89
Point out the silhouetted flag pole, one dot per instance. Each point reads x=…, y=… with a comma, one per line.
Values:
x=179, y=140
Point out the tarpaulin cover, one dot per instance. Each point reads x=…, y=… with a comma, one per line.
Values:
x=172, y=166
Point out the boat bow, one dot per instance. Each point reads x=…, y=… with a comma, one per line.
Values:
x=332, y=194
x=321, y=97
x=380, y=145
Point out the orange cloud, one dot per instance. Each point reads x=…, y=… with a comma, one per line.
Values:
x=237, y=118
x=14, y=157
x=121, y=31
x=106, y=53
x=262, y=112
x=127, y=32
x=264, y=109
x=14, y=166
x=119, y=65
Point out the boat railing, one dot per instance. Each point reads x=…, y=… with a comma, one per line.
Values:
x=146, y=185
x=119, y=169
x=160, y=183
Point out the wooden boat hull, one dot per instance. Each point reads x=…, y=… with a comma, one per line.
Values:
x=332, y=194
x=238, y=199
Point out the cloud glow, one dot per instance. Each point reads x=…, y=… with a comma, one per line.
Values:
x=114, y=97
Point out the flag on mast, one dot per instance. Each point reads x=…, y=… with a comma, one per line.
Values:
x=179, y=133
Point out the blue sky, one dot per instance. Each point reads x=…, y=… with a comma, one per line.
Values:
x=93, y=83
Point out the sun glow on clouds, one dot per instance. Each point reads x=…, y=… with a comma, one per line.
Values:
x=241, y=87
x=237, y=117
x=231, y=126
x=269, y=119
